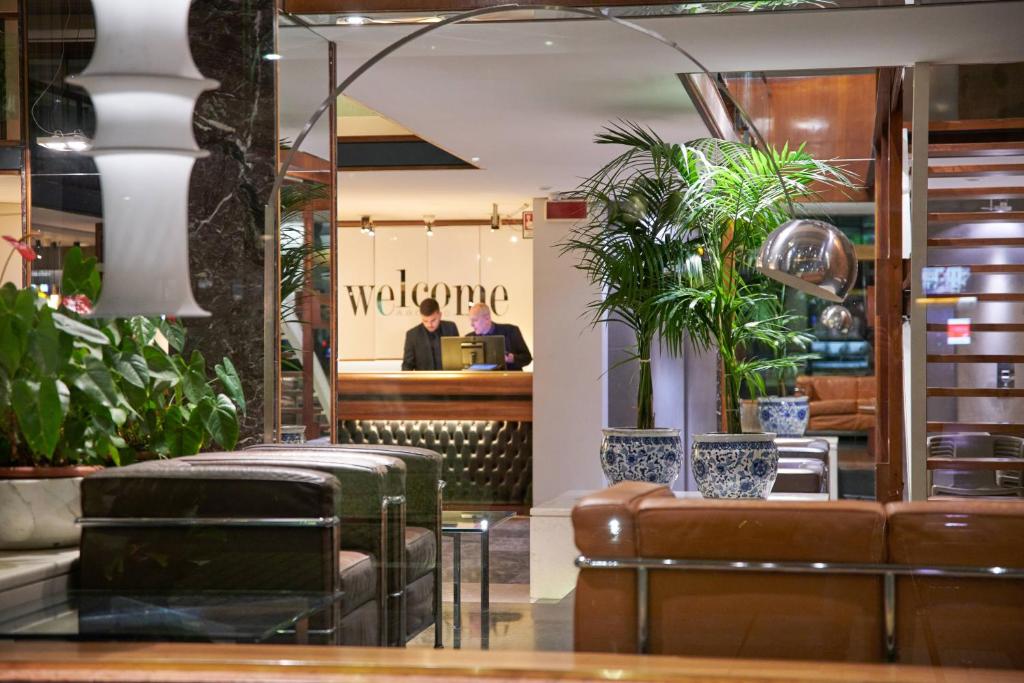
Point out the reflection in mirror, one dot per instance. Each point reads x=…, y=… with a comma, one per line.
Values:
x=66, y=207
x=306, y=326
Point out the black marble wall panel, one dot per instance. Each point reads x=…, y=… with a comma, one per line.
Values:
x=237, y=125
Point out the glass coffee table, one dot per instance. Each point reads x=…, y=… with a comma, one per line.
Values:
x=456, y=523
x=221, y=616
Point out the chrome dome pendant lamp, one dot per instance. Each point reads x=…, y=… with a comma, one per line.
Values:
x=812, y=256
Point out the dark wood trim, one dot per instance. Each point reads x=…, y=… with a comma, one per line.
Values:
x=982, y=327
x=332, y=78
x=439, y=223
x=976, y=242
x=975, y=170
x=368, y=6
x=996, y=268
x=975, y=216
x=976, y=193
x=26, y=166
x=889, y=429
x=379, y=169
x=990, y=427
x=701, y=102
x=961, y=392
x=975, y=358
x=436, y=396
x=982, y=296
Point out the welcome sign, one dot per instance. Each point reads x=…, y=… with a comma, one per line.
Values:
x=383, y=279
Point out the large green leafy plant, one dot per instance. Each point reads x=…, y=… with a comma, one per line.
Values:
x=78, y=391
x=672, y=239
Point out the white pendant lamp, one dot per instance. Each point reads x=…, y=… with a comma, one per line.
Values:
x=144, y=87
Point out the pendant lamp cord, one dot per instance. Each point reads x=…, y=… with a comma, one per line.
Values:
x=56, y=73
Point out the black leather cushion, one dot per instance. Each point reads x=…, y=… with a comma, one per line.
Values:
x=484, y=462
x=358, y=579
x=420, y=552
x=419, y=598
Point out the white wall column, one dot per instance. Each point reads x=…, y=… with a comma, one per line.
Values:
x=569, y=383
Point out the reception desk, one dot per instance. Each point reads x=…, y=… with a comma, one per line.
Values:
x=481, y=422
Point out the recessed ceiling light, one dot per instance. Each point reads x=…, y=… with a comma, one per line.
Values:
x=549, y=43
x=474, y=159
x=355, y=20
x=544, y=188
x=272, y=57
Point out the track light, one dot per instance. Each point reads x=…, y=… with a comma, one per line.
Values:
x=495, y=218
x=428, y=220
x=365, y=225
x=61, y=142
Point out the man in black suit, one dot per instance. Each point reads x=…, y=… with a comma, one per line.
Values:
x=517, y=354
x=423, y=342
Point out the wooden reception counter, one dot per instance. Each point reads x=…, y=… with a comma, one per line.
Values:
x=506, y=396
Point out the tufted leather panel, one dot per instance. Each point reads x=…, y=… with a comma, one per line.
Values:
x=484, y=462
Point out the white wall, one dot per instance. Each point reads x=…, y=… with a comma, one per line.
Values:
x=10, y=226
x=569, y=392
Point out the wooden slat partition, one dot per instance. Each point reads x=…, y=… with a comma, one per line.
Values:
x=975, y=464
x=982, y=327
x=975, y=192
x=976, y=242
x=964, y=125
x=974, y=170
x=979, y=149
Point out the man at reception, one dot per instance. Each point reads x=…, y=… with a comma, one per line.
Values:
x=423, y=342
x=517, y=354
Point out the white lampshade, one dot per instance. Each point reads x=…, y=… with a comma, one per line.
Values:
x=144, y=85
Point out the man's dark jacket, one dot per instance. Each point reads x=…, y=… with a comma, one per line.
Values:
x=421, y=346
x=514, y=344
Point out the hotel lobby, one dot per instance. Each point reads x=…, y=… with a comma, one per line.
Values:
x=355, y=338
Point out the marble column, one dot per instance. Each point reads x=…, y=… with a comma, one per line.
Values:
x=237, y=124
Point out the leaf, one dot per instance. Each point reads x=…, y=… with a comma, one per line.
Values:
x=222, y=423
x=143, y=330
x=79, y=330
x=196, y=386
x=97, y=383
x=181, y=436
x=14, y=334
x=80, y=275
x=131, y=367
x=44, y=345
x=228, y=376
x=161, y=367
x=174, y=332
x=38, y=407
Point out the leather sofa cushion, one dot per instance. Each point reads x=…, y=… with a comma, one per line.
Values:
x=358, y=579
x=833, y=406
x=857, y=422
x=959, y=622
x=420, y=551
x=361, y=627
x=778, y=616
x=419, y=597
x=843, y=531
x=603, y=521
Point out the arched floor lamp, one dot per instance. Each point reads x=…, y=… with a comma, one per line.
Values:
x=810, y=255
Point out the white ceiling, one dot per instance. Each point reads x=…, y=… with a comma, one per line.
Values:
x=527, y=97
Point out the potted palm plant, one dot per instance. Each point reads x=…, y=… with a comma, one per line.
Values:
x=672, y=240
x=78, y=393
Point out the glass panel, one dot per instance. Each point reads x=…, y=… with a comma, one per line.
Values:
x=307, y=294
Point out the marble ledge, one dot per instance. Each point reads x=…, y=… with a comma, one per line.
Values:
x=20, y=568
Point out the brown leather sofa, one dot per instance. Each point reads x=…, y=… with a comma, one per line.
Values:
x=385, y=567
x=822, y=594
x=835, y=402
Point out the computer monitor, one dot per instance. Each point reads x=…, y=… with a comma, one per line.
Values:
x=473, y=353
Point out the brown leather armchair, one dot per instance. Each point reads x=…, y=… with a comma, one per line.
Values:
x=939, y=584
x=835, y=402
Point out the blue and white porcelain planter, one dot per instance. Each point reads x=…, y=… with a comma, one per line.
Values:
x=735, y=465
x=651, y=455
x=786, y=416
